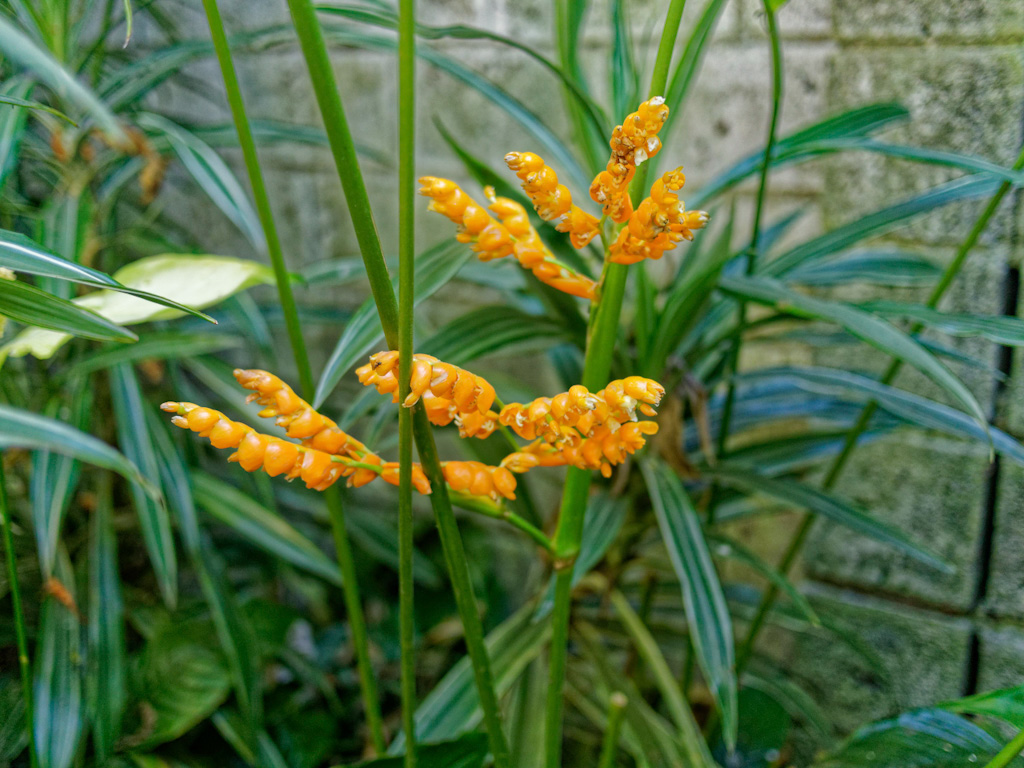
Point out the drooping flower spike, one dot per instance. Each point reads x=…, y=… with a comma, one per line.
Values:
x=551, y=200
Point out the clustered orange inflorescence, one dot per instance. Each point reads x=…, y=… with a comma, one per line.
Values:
x=659, y=223
x=551, y=200
x=583, y=429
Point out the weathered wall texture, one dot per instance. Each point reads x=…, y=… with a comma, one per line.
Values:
x=959, y=68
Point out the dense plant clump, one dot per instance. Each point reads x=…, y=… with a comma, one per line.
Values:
x=160, y=607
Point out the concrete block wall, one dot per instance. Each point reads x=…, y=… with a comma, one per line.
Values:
x=957, y=66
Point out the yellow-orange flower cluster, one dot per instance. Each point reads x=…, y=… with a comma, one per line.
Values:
x=491, y=239
x=479, y=479
x=659, y=223
x=449, y=393
x=584, y=429
x=632, y=143
x=551, y=200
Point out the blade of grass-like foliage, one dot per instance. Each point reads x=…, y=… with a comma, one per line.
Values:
x=859, y=121
x=261, y=527
x=277, y=132
x=434, y=268
x=880, y=267
x=675, y=699
x=212, y=175
x=17, y=102
x=168, y=345
x=21, y=254
x=387, y=19
x=58, y=677
x=881, y=221
x=796, y=453
x=726, y=547
x=24, y=429
x=794, y=699
x=557, y=153
x=625, y=79
x=467, y=751
x=907, y=406
x=838, y=510
x=12, y=125
x=453, y=706
x=334, y=271
x=488, y=330
x=865, y=326
x=24, y=52
x=690, y=63
x=1002, y=329
x=106, y=671
x=1007, y=704
x=28, y=305
x=133, y=436
x=13, y=735
x=706, y=612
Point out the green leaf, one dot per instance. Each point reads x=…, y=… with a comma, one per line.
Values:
x=154, y=519
x=468, y=751
x=1002, y=329
x=212, y=175
x=13, y=737
x=490, y=329
x=28, y=305
x=792, y=697
x=105, y=676
x=863, y=325
x=57, y=685
x=22, y=254
x=1006, y=704
x=453, y=707
x=434, y=268
x=921, y=738
x=707, y=614
x=881, y=221
x=877, y=267
x=776, y=5
x=12, y=125
x=14, y=101
x=837, y=510
x=199, y=280
x=23, y=429
x=22, y=51
x=625, y=79
x=261, y=527
x=167, y=345
x=690, y=63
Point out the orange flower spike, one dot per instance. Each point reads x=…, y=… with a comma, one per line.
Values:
x=504, y=482
x=520, y=462
x=251, y=451
x=458, y=474
x=363, y=475
x=389, y=474
x=551, y=200
x=488, y=237
x=279, y=457
x=419, y=382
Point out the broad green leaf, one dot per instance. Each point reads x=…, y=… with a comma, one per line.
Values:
x=434, y=268
x=24, y=52
x=865, y=326
x=28, y=305
x=1002, y=329
x=881, y=221
x=199, y=281
x=877, y=267
x=707, y=614
x=1006, y=704
x=133, y=435
x=22, y=254
x=106, y=671
x=212, y=175
x=835, y=509
x=909, y=407
x=15, y=101
x=261, y=527
x=491, y=329
x=24, y=429
x=921, y=738
x=57, y=683
x=467, y=751
x=453, y=707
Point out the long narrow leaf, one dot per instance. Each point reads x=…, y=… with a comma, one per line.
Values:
x=28, y=305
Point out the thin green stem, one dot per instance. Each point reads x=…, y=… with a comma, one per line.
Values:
x=350, y=588
x=602, y=336
x=755, y=236
x=617, y=703
x=796, y=544
x=406, y=299
x=19, y=619
x=1008, y=753
x=339, y=136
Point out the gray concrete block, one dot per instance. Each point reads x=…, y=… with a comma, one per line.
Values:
x=929, y=488
x=1005, y=593
x=1000, y=657
x=912, y=21
x=961, y=99
x=805, y=20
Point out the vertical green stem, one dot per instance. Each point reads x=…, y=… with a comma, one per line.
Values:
x=406, y=298
x=597, y=362
x=755, y=236
x=350, y=588
x=343, y=150
x=19, y=619
x=1008, y=753
x=616, y=709
x=796, y=544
